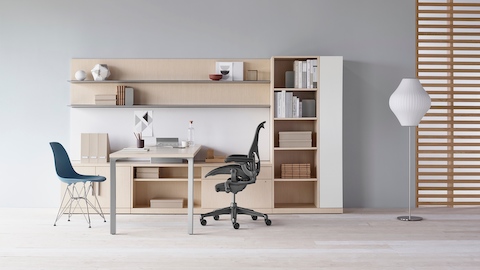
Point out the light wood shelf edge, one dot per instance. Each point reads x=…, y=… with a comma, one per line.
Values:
x=164, y=179
x=170, y=81
x=92, y=106
x=296, y=119
x=295, y=179
x=294, y=148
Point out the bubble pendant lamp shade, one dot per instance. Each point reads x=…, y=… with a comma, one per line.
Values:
x=409, y=102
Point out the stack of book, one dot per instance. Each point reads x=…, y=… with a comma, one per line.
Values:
x=292, y=139
x=105, y=99
x=295, y=170
x=125, y=96
x=305, y=73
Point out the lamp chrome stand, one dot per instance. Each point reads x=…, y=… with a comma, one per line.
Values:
x=409, y=217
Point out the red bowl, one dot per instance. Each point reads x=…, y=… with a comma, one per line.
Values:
x=215, y=77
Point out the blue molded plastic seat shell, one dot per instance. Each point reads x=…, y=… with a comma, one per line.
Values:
x=64, y=168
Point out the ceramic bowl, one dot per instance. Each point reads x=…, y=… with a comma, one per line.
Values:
x=215, y=77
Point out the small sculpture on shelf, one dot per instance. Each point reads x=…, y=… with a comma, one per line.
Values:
x=100, y=72
x=80, y=75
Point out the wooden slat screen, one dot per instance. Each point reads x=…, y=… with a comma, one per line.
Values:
x=448, y=138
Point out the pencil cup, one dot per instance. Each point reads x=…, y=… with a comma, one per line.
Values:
x=140, y=143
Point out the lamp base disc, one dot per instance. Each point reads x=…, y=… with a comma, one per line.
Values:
x=409, y=218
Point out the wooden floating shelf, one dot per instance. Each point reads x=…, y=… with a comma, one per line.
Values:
x=87, y=106
x=170, y=81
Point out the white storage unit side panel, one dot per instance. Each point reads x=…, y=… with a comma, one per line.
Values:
x=331, y=132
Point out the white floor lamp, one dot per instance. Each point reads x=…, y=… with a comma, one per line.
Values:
x=409, y=103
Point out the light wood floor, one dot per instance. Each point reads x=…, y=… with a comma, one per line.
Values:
x=357, y=239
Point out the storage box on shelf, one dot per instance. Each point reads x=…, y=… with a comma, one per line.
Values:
x=166, y=203
x=296, y=171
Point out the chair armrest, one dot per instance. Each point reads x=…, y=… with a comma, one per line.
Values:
x=238, y=158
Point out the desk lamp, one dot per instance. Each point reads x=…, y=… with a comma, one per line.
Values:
x=409, y=103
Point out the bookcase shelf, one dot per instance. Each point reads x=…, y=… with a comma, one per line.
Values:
x=296, y=119
x=295, y=89
x=295, y=149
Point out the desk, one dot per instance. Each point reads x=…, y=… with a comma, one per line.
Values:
x=155, y=152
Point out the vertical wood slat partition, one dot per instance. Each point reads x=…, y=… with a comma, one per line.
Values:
x=448, y=138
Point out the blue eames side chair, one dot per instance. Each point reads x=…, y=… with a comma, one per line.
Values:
x=75, y=193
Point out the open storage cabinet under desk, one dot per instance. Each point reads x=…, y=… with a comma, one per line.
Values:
x=163, y=183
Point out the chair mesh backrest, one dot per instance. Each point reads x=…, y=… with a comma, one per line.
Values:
x=253, y=153
x=63, y=166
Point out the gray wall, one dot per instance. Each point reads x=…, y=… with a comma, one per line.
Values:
x=38, y=39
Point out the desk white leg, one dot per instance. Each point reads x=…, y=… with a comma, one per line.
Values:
x=113, y=196
x=190, y=195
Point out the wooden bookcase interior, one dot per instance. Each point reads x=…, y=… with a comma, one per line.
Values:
x=294, y=194
x=185, y=83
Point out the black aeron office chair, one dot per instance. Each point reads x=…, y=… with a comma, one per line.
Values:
x=244, y=172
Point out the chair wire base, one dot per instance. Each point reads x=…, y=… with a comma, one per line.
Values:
x=74, y=197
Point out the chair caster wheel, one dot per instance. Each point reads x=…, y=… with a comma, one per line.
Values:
x=236, y=226
x=268, y=222
x=216, y=217
x=254, y=217
x=203, y=222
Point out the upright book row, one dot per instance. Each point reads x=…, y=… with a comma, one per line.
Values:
x=125, y=95
x=287, y=105
x=305, y=73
